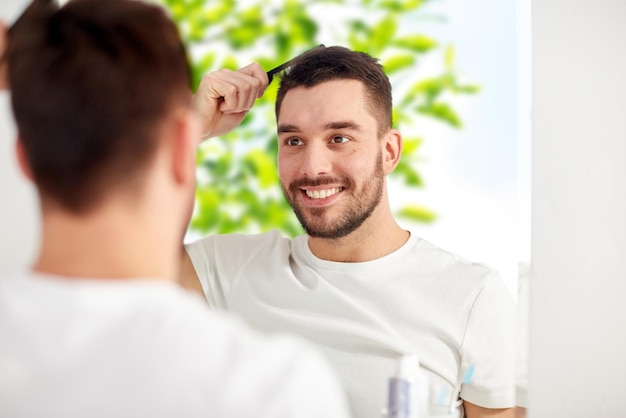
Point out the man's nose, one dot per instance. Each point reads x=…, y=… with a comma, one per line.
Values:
x=316, y=160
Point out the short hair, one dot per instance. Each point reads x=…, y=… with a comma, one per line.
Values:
x=90, y=84
x=322, y=64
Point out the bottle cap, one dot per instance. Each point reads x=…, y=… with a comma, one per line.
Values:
x=408, y=366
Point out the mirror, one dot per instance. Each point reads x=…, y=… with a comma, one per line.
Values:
x=465, y=184
x=465, y=181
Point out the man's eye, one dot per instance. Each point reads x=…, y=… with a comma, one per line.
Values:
x=339, y=139
x=294, y=141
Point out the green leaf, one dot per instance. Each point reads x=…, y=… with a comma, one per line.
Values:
x=468, y=89
x=218, y=11
x=200, y=68
x=195, y=31
x=430, y=88
x=247, y=27
x=411, y=145
x=308, y=27
x=230, y=62
x=418, y=43
x=413, y=4
x=417, y=213
x=177, y=11
x=263, y=167
x=398, y=62
x=449, y=57
x=408, y=174
x=401, y=6
x=443, y=112
x=207, y=199
x=383, y=32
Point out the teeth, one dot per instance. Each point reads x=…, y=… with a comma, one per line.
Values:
x=321, y=194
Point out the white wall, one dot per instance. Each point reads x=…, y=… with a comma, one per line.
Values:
x=19, y=216
x=578, y=283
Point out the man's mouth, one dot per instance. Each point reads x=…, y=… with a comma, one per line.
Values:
x=322, y=194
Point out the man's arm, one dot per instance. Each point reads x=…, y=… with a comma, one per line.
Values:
x=475, y=411
x=223, y=99
x=188, y=278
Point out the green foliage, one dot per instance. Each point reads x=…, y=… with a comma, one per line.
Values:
x=417, y=213
x=238, y=186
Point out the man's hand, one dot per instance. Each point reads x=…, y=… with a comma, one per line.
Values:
x=225, y=97
x=4, y=43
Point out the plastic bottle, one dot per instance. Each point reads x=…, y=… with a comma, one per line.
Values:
x=408, y=390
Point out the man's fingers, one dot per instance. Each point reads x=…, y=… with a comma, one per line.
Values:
x=237, y=89
x=247, y=89
x=225, y=96
x=255, y=70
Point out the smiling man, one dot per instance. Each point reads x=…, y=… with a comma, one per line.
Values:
x=360, y=287
x=332, y=165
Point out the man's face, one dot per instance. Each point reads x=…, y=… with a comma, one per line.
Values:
x=330, y=157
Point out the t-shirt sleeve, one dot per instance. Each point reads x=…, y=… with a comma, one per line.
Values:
x=202, y=255
x=220, y=261
x=488, y=352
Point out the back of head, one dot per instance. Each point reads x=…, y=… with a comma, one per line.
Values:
x=90, y=83
x=322, y=64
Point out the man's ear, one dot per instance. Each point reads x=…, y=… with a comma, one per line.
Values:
x=392, y=150
x=185, y=130
x=22, y=159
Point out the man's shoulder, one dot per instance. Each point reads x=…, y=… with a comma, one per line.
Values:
x=234, y=241
x=221, y=346
x=446, y=261
x=226, y=254
x=139, y=325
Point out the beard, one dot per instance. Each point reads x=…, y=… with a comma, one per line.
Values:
x=358, y=208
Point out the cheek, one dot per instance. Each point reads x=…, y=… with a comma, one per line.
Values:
x=356, y=165
x=285, y=167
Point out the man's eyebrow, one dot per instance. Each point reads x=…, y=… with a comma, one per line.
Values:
x=344, y=124
x=347, y=124
x=287, y=128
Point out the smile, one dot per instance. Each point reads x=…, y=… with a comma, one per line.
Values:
x=322, y=194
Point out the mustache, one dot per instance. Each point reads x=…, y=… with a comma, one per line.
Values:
x=344, y=182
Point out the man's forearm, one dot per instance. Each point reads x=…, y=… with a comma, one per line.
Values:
x=475, y=411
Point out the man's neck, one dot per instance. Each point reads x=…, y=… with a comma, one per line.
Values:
x=377, y=237
x=108, y=244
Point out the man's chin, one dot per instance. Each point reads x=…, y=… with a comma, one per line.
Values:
x=325, y=231
x=315, y=228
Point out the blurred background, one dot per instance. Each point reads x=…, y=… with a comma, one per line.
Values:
x=454, y=66
x=461, y=92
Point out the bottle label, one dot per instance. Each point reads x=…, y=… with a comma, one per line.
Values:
x=402, y=402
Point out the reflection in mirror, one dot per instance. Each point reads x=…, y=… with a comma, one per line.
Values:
x=452, y=66
x=453, y=71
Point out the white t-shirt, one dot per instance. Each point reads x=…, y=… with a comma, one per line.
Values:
x=457, y=316
x=144, y=348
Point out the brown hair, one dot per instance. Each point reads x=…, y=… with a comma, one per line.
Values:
x=90, y=83
x=322, y=64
